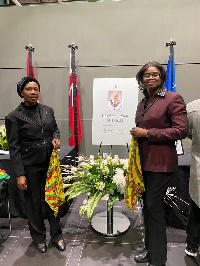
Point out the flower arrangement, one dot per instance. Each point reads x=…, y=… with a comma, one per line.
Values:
x=3, y=138
x=98, y=178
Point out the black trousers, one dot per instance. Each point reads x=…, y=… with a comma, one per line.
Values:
x=34, y=195
x=193, y=225
x=156, y=185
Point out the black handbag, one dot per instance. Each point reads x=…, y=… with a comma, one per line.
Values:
x=177, y=208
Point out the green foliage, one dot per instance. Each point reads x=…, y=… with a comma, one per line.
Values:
x=77, y=189
x=94, y=200
x=3, y=138
x=98, y=178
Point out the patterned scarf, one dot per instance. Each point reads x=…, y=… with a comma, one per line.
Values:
x=134, y=181
x=54, y=190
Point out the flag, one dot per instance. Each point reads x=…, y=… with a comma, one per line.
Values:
x=134, y=185
x=30, y=72
x=168, y=81
x=178, y=143
x=74, y=117
x=3, y=175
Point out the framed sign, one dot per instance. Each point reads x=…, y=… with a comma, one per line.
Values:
x=114, y=106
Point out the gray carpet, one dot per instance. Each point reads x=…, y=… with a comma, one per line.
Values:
x=85, y=246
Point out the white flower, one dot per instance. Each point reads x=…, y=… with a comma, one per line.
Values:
x=73, y=169
x=119, y=178
x=115, y=160
x=84, y=165
x=124, y=162
x=100, y=185
x=104, y=169
x=119, y=171
x=84, y=202
x=92, y=163
x=69, y=177
x=109, y=159
x=105, y=162
x=82, y=209
x=81, y=158
x=3, y=134
x=3, y=131
x=91, y=158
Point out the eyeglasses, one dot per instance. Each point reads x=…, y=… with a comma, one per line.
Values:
x=154, y=75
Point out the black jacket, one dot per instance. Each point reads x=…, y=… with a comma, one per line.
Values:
x=29, y=142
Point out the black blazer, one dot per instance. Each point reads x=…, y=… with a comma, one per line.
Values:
x=29, y=142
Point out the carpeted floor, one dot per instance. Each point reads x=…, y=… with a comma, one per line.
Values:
x=85, y=246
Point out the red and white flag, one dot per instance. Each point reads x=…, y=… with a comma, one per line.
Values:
x=75, y=129
x=30, y=69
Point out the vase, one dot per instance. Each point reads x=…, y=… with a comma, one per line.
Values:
x=110, y=223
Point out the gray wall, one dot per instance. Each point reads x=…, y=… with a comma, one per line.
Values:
x=115, y=39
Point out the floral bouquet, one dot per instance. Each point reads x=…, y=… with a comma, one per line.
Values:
x=98, y=178
x=3, y=138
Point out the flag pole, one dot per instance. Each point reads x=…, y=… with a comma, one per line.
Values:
x=171, y=45
x=30, y=50
x=73, y=47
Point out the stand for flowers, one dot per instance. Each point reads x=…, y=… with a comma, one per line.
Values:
x=110, y=223
x=4, y=152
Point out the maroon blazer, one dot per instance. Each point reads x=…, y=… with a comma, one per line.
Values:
x=166, y=120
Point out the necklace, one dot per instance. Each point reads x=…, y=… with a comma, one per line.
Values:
x=152, y=96
x=149, y=99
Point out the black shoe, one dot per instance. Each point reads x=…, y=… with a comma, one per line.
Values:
x=143, y=256
x=191, y=250
x=61, y=246
x=42, y=248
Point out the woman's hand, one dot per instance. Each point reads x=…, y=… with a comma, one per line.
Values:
x=56, y=143
x=22, y=182
x=139, y=132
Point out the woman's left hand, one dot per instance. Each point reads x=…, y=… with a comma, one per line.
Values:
x=139, y=132
x=56, y=143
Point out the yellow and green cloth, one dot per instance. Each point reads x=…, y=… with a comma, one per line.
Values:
x=134, y=181
x=54, y=190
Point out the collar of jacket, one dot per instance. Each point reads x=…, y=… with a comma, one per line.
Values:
x=43, y=113
x=162, y=92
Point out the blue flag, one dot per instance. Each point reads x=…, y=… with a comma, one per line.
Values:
x=168, y=81
x=178, y=143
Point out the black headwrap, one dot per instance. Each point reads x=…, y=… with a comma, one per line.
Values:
x=22, y=83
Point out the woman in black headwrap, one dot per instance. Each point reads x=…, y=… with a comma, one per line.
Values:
x=32, y=134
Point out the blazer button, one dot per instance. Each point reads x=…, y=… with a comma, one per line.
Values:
x=42, y=130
